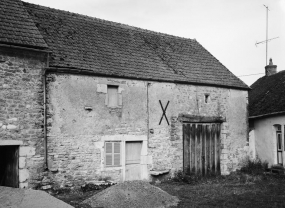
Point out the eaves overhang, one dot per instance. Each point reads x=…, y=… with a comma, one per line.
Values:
x=267, y=115
x=73, y=70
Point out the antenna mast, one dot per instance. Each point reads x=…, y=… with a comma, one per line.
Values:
x=266, y=31
x=267, y=40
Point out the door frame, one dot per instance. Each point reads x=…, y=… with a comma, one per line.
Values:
x=133, y=138
x=17, y=144
x=277, y=129
x=140, y=156
x=279, y=150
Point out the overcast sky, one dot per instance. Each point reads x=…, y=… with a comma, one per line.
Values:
x=228, y=29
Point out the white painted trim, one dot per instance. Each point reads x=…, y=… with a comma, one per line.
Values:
x=124, y=137
x=10, y=142
x=274, y=142
x=283, y=143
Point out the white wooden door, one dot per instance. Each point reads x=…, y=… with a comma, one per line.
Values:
x=133, y=160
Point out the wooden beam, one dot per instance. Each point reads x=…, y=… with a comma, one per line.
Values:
x=200, y=119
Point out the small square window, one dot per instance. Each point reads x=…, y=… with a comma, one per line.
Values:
x=113, y=98
x=207, y=98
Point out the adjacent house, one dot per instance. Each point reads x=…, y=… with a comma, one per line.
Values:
x=83, y=99
x=267, y=116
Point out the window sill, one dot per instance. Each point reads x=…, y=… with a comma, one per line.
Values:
x=113, y=167
x=114, y=107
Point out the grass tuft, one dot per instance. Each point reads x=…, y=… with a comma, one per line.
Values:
x=254, y=167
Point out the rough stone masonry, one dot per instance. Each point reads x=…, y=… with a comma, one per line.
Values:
x=76, y=136
x=21, y=110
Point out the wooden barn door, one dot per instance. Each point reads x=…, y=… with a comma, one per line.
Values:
x=201, y=148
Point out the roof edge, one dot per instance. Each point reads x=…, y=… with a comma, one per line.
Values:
x=266, y=115
x=26, y=47
x=73, y=70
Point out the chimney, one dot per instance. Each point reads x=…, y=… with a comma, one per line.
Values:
x=270, y=69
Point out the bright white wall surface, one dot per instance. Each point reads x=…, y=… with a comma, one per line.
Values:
x=265, y=138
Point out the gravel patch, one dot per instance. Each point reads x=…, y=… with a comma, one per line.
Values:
x=26, y=198
x=131, y=194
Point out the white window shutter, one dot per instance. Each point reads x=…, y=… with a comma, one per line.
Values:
x=109, y=160
x=113, y=153
x=109, y=148
x=117, y=147
x=117, y=153
x=108, y=153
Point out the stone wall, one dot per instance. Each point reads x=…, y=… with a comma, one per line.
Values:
x=21, y=109
x=80, y=121
x=165, y=143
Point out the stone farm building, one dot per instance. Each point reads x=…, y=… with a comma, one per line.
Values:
x=83, y=99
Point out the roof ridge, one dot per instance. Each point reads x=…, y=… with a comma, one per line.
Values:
x=117, y=24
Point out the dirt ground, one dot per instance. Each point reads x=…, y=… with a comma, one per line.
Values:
x=267, y=191
x=26, y=198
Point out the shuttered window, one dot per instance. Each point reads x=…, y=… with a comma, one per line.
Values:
x=112, y=92
x=112, y=154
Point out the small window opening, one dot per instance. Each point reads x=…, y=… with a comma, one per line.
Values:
x=279, y=143
x=112, y=92
x=112, y=154
x=207, y=98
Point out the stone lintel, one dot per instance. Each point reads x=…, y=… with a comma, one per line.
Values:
x=10, y=142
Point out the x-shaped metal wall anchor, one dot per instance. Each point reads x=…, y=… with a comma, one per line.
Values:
x=163, y=112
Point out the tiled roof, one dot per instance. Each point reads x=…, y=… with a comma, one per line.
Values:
x=267, y=95
x=115, y=49
x=16, y=27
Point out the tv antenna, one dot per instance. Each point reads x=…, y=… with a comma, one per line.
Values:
x=266, y=40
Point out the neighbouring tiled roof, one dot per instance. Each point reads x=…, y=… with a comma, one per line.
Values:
x=115, y=49
x=16, y=27
x=267, y=95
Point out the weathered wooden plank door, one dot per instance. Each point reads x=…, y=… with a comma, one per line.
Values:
x=201, y=148
x=133, y=160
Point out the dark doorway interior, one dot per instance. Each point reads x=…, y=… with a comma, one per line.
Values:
x=9, y=163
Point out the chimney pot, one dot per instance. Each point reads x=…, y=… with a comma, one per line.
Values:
x=270, y=69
